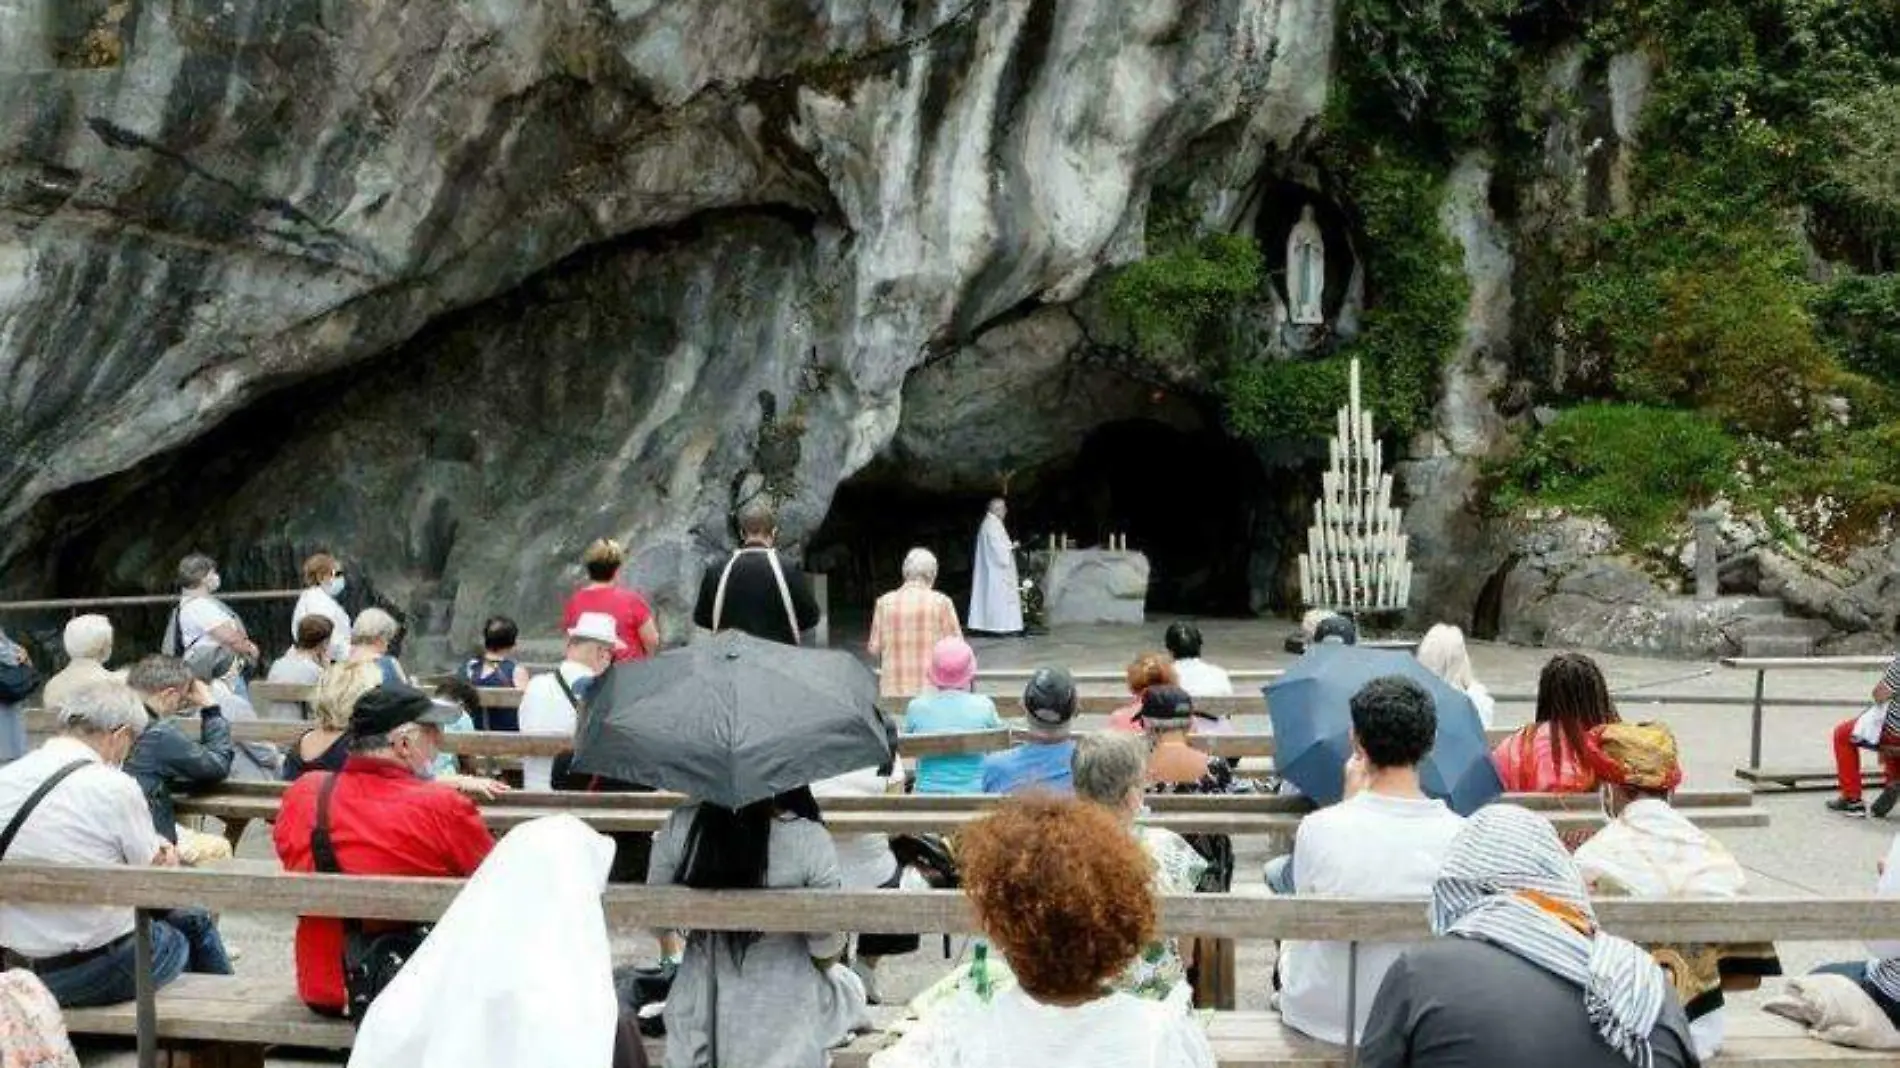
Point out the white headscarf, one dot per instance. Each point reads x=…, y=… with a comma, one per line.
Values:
x=517, y=974
x=1500, y=865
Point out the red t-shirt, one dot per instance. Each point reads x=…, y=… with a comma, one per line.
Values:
x=629, y=609
x=383, y=821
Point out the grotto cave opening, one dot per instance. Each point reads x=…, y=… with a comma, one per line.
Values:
x=1200, y=504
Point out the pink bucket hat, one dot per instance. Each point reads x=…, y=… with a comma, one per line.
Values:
x=952, y=664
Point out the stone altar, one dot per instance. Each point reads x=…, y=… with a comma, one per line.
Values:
x=1095, y=586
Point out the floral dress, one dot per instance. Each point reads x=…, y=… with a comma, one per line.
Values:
x=32, y=1033
x=1216, y=849
x=1158, y=971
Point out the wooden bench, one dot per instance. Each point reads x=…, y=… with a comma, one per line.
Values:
x=241, y=1015
x=510, y=745
x=1240, y=815
x=1800, y=777
x=265, y=1012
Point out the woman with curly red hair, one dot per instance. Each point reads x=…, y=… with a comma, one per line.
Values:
x=1145, y=671
x=1062, y=889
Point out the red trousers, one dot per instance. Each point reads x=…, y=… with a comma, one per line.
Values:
x=1847, y=761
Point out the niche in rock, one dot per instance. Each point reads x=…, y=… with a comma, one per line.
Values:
x=1188, y=498
x=1287, y=212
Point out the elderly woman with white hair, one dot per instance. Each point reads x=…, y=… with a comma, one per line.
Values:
x=1442, y=652
x=1111, y=770
x=371, y=638
x=88, y=642
x=907, y=624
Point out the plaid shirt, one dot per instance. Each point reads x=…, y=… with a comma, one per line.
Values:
x=906, y=626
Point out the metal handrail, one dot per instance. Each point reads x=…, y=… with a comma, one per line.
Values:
x=139, y=601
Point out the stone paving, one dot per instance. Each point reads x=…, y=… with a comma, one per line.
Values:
x=1804, y=850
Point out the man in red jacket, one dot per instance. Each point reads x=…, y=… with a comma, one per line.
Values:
x=385, y=818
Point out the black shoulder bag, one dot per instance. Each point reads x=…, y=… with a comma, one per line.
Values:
x=371, y=959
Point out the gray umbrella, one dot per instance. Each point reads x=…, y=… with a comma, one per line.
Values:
x=732, y=720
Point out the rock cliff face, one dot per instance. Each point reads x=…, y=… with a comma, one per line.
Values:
x=456, y=287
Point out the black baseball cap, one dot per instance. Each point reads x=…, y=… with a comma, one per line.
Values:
x=1160, y=704
x=1050, y=697
x=387, y=707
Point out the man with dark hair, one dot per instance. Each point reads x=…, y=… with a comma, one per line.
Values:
x=1045, y=759
x=755, y=591
x=1386, y=839
x=381, y=817
x=1198, y=677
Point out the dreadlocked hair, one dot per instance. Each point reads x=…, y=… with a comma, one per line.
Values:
x=1572, y=698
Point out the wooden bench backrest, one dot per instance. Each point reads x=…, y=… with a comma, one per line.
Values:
x=1589, y=802
x=898, y=912
x=511, y=745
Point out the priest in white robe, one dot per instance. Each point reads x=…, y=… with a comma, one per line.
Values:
x=996, y=599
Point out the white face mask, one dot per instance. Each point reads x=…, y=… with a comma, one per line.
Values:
x=334, y=587
x=213, y=581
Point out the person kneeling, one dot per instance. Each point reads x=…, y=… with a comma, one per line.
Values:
x=67, y=802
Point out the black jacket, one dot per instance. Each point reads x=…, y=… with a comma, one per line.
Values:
x=753, y=603
x=163, y=759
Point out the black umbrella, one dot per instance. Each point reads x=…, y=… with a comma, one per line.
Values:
x=732, y=720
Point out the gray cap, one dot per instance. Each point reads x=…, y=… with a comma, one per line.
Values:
x=1050, y=697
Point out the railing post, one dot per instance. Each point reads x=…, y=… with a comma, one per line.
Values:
x=1352, y=1004
x=146, y=988
x=1754, y=739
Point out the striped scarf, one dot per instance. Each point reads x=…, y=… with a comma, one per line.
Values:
x=1884, y=976
x=1509, y=882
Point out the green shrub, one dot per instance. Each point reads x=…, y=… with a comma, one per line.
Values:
x=1166, y=301
x=1638, y=467
x=1701, y=300
x=1428, y=70
x=1860, y=318
x=1266, y=400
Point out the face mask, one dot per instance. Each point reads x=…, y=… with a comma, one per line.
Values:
x=213, y=581
x=334, y=587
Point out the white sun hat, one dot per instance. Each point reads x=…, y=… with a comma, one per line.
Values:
x=597, y=627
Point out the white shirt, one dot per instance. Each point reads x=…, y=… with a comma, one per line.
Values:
x=315, y=602
x=545, y=709
x=1482, y=701
x=1651, y=850
x=198, y=617
x=1016, y=1031
x=865, y=861
x=96, y=816
x=1202, y=679
x=1368, y=845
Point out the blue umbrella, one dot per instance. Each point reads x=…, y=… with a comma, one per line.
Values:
x=1312, y=724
